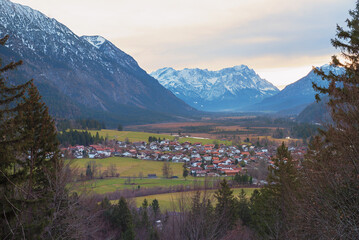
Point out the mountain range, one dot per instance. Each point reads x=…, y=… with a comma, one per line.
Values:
x=89, y=77
x=84, y=76
x=296, y=96
x=229, y=89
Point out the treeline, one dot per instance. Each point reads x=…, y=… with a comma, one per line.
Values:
x=297, y=130
x=73, y=137
x=155, y=139
x=199, y=216
x=87, y=124
x=243, y=179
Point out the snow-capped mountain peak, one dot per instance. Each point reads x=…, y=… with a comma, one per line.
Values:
x=225, y=89
x=79, y=74
x=96, y=41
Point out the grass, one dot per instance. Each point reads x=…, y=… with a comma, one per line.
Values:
x=131, y=136
x=143, y=137
x=130, y=167
x=170, y=201
x=108, y=185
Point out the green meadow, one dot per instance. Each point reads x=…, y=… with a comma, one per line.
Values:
x=143, y=136
x=109, y=185
x=129, y=167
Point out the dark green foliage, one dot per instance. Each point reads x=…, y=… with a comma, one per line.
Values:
x=29, y=161
x=74, y=137
x=119, y=127
x=154, y=139
x=89, y=173
x=242, y=179
x=243, y=208
x=121, y=219
x=155, y=207
x=86, y=124
x=145, y=219
x=185, y=172
x=303, y=130
x=226, y=204
x=270, y=207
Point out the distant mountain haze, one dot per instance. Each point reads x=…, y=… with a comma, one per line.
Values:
x=229, y=89
x=84, y=76
x=296, y=96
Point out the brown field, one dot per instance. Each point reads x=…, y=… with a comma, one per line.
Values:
x=236, y=117
x=232, y=128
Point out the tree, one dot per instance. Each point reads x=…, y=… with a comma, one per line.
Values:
x=89, y=172
x=271, y=207
x=155, y=207
x=185, y=172
x=112, y=170
x=11, y=176
x=121, y=218
x=30, y=167
x=166, y=170
x=330, y=193
x=119, y=127
x=226, y=204
x=145, y=218
x=243, y=208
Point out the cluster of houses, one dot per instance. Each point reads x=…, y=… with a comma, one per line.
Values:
x=200, y=159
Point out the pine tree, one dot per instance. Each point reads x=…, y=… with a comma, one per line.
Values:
x=155, y=207
x=330, y=193
x=226, y=204
x=41, y=156
x=124, y=220
x=243, y=208
x=271, y=207
x=29, y=165
x=11, y=175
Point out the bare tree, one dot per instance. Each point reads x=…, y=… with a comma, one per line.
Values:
x=140, y=175
x=112, y=170
x=167, y=170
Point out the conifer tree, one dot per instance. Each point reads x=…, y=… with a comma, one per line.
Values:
x=330, y=192
x=11, y=176
x=124, y=220
x=243, y=208
x=226, y=205
x=29, y=165
x=155, y=207
x=271, y=207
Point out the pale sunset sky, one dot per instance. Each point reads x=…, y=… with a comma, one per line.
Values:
x=280, y=39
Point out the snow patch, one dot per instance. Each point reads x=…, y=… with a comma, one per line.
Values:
x=95, y=41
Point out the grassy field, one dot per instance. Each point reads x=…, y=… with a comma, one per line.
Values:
x=108, y=185
x=170, y=201
x=143, y=137
x=130, y=167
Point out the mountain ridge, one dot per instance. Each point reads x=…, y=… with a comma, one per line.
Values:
x=296, y=95
x=101, y=79
x=226, y=89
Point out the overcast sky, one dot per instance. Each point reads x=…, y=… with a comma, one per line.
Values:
x=279, y=39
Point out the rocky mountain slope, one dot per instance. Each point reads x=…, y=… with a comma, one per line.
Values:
x=229, y=89
x=295, y=96
x=83, y=76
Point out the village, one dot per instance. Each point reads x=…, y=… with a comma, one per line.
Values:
x=200, y=159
